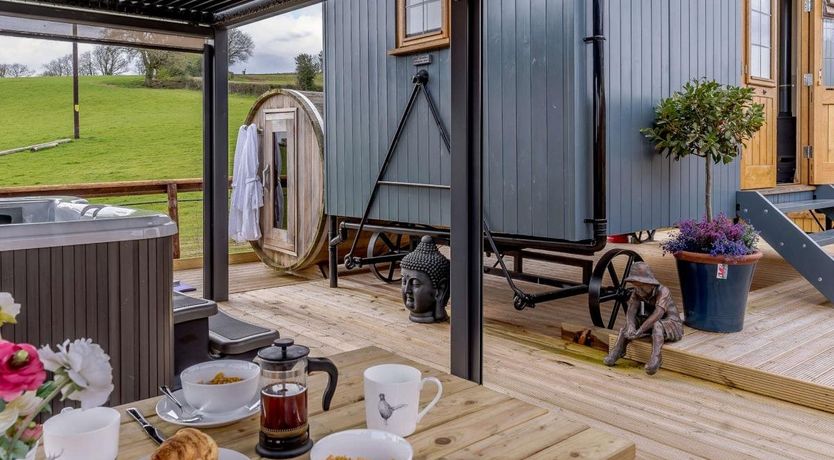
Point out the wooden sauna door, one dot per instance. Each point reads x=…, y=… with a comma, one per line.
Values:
x=758, y=157
x=279, y=180
x=822, y=94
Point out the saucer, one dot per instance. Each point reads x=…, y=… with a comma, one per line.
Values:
x=169, y=412
x=225, y=454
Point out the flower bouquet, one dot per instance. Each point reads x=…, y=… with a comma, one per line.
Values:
x=80, y=370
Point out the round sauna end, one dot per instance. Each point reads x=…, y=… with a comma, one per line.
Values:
x=291, y=147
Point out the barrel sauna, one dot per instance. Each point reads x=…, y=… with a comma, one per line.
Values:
x=292, y=163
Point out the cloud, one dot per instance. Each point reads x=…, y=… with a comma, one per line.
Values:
x=277, y=41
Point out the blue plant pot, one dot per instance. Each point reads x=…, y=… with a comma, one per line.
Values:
x=715, y=297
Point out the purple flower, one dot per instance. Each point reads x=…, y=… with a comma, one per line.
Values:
x=721, y=237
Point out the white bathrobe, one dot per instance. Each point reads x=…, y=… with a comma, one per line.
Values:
x=247, y=190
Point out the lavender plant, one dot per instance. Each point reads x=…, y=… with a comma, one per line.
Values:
x=719, y=237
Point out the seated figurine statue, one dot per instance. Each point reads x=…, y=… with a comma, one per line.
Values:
x=425, y=288
x=650, y=312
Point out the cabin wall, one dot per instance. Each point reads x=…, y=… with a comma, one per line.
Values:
x=537, y=125
x=653, y=48
x=366, y=93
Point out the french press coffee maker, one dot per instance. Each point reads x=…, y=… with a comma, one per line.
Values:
x=285, y=432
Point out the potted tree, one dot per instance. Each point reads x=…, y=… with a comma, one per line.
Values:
x=715, y=256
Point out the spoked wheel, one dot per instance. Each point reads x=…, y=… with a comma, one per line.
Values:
x=387, y=244
x=607, y=284
x=642, y=236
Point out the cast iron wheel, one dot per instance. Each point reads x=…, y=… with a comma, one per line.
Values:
x=616, y=264
x=385, y=244
x=642, y=236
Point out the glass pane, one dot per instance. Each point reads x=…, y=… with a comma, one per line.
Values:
x=414, y=20
x=434, y=13
x=828, y=52
x=760, y=39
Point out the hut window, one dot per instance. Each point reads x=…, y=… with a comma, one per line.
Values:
x=421, y=25
x=761, y=39
x=828, y=44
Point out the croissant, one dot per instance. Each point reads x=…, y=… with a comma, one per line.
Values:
x=187, y=444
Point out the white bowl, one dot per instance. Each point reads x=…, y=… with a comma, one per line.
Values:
x=367, y=444
x=227, y=397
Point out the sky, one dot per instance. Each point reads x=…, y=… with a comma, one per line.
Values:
x=277, y=41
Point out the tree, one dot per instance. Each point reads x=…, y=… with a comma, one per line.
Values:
x=85, y=64
x=241, y=46
x=306, y=69
x=708, y=120
x=111, y=60
x=15, y=70
x=321, y=61
x=58, y=67
x=151, y=62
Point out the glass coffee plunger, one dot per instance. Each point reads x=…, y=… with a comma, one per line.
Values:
x=285, y=431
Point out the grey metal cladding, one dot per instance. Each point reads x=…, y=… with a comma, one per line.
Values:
x=537, y=102
x=653, y=48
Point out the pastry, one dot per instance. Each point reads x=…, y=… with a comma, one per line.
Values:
x=187, y=444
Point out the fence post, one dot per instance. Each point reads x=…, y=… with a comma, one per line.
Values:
x=174, y=214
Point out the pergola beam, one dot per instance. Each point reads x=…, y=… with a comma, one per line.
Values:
x=467, y=192
x=102, y=19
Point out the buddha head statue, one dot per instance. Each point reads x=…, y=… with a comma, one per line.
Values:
x=425, y=288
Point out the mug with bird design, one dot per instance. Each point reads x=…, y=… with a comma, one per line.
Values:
x=392, y=397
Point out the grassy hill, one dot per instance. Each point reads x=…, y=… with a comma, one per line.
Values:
x=128, y=132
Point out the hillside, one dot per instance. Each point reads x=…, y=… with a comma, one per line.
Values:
x=128, y=132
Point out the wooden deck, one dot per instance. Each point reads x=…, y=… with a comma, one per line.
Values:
x=669, y=415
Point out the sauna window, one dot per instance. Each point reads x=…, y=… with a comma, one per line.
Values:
x=421, y=25
x=761, y=39
x=279, y=170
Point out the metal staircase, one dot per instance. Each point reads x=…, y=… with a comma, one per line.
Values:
x=768, y=212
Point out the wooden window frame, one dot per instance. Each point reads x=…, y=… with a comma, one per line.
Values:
x=748, y=44
x=424, y=42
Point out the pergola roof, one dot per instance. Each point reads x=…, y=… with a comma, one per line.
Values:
x=194, y=17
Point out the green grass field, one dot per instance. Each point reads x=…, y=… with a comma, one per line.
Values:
x=128, y=132
x=273, y=78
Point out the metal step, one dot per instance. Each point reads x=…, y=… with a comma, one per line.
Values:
x=808, y=205
x=823, y=238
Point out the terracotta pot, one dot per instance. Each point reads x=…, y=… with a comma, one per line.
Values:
x=715, y=289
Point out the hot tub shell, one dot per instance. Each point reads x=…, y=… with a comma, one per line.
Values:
x=101, y=272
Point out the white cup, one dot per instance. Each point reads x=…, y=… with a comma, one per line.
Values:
x=392, y=397
x=78, y=434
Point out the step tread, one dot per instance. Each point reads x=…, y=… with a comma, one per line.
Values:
x=804, y=205
x=823, y=238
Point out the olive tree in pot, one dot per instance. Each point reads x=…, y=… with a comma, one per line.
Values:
x=715, y=257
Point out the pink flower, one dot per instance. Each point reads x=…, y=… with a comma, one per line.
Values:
x=32, y=434
x=20, y=369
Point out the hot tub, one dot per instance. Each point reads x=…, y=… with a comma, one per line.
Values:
x=97, y=271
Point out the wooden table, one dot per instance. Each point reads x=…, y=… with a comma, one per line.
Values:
x=470, y=421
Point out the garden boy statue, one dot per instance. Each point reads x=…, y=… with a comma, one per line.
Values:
x=651, y=312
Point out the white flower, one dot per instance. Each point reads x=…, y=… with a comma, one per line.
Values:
x=8, y=309
x=8, y=418
x=86, y=364
x=27, y=404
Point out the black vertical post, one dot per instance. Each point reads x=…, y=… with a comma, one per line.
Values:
x=333, y=251
x=466, y=193
x=216, y=168
x=76, y=130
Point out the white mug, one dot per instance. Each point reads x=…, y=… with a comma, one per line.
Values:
x=79, y=434
x=392, y=396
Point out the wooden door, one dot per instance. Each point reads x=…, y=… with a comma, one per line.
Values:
x=822, y=94
x=758, y=158
x=280, y=189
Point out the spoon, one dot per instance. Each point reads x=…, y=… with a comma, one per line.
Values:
x=186, y=416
